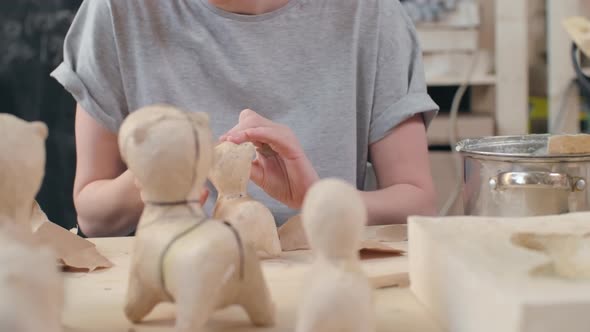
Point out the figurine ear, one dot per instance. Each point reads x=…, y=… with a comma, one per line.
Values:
x=40, y=128
x=201, y=118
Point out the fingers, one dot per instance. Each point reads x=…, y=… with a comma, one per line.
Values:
x=257, y=173
x=279, y=138
x=247, y=119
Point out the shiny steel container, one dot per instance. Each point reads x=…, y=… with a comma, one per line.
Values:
x=513, y=176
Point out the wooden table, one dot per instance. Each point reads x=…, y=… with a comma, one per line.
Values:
x=94, y=301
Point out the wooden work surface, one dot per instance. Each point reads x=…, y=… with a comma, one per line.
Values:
x=94, y=301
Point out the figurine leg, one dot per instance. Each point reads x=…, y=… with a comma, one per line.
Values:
x=255, y=297
x=140, y=301
x=195, y=306
x=197, y=301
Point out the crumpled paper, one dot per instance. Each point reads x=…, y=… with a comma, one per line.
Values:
x=292, y=237
x=73, y=252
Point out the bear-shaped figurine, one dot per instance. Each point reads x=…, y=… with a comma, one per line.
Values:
x=22, y=167
x=338, y=294
x=230, y=175
x=180, y=255
x=30, y=283
x=30, y=302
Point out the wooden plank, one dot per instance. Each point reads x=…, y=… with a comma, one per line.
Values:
x=487, y=31
x=537, y=45
x=453, y=68
x=564, y=100
x=94, y=301
x=512, y=89
x=578, y=29
x=447, y=39
x=483, y=99
x=503, y=274
x=466, y=15
x=469, y=126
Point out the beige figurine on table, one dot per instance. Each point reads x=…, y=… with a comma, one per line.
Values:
x=22, y=167
x=29, y=302
x=338, y=296
x=230, y=175
x=180, y=255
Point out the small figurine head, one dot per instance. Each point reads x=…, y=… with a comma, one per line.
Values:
x=230, y=172
x=22, y=164
x=334, y=216
x=168, y=151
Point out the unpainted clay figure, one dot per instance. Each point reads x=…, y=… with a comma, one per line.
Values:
x=31, y=287
x=338, y=295
x=180, y=255
x=230, y=175
x=22, y=167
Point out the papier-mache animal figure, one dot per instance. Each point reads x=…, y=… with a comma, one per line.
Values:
x=338, y=295
x=31, y=287
x=230, y=175
x=180, y=255
x=22, y=167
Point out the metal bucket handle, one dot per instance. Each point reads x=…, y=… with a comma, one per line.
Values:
x=548, y=180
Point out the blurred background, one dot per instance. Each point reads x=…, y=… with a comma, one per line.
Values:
x=506, y=63
x=31, y=41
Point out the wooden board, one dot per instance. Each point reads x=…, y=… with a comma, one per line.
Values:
x=564, y=96
x=94, y=302
x=579, y=30
x=512, y=90
x=448, y=39
x=453, y=68
x=466, y=15
x=492, y=274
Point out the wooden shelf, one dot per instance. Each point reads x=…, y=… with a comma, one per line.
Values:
x=448, y=39
x=466, y=15
x=479, y=80
x=469, y=126
x=451, y=68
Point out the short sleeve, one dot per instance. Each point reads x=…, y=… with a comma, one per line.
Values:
x=90, y=68
x=400, y=86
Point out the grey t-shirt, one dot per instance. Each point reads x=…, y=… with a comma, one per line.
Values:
x=340, y=73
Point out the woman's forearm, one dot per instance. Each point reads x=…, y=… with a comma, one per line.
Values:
x=109, y=207
x=394, y=204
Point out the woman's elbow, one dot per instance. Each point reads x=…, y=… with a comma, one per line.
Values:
x=89, y=223
x=89, y=228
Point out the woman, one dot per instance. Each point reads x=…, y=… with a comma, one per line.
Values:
x=328, y=84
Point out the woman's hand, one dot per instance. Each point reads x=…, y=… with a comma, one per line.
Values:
x=281, y=168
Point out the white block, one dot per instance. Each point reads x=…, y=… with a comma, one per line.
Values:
x=473, y=275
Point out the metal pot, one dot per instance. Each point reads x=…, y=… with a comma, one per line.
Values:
x=513, y=176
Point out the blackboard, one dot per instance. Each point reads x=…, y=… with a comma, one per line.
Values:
x=31, y=46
